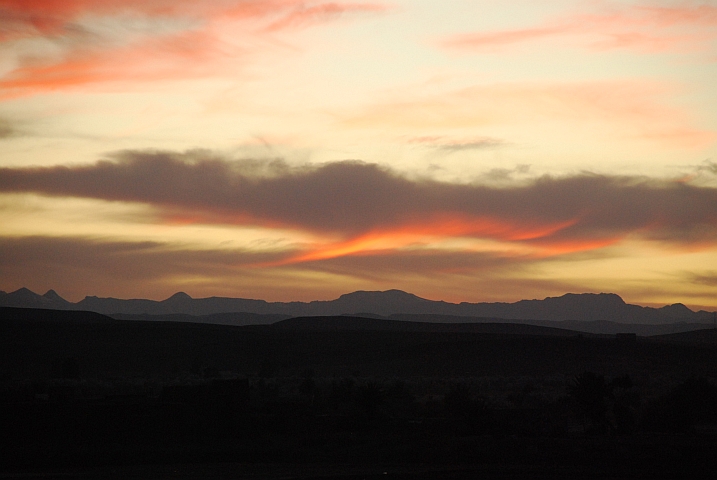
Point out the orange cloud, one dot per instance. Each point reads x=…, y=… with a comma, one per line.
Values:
x=390, y=242
x=429, y=231
x=643, y=29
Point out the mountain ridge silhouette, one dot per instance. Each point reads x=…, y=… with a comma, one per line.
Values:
x=569, y=307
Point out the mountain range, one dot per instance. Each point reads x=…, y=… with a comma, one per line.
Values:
x=585, y=307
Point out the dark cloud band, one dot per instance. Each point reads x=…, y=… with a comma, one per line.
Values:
x=352, y=198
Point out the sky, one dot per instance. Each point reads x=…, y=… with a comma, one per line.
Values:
x=297, y=150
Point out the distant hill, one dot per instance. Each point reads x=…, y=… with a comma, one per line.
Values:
x=345, y=323
x=233, y=318
x=586, y=307
x=37, y=315
x=705, y=335
x=602, y=327
x=33, y=342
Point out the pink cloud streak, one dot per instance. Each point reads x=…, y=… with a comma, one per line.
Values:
x=304, y=15
x=632, y=109
x=196, y=46
x=643, y=29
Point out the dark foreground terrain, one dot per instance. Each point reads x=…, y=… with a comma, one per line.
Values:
x=86, y=396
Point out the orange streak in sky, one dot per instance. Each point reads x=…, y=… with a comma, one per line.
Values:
x=440, y=227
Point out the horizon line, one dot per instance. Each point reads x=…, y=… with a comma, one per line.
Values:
x=692, y=308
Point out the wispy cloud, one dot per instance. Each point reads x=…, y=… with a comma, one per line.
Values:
x=705, y=278
x=708, y=166
x=303, y=15
x=7, y=129
x=647, y=29
x=447, y=145
x=630, y=109
x=58, y=45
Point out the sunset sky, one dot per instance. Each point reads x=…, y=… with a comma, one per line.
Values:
x=294, y=150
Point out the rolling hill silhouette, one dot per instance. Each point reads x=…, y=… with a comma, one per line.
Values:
x=346, y=323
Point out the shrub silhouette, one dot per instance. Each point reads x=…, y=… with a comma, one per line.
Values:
x=626, y=402
x=591, y=393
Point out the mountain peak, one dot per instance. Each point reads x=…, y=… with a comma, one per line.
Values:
x=53, y=295
x=379, y=302
x=179, y=296
x=24, y=293
x=24, y=297
x=393, y=294
x=676, y=310
x=593, y=298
